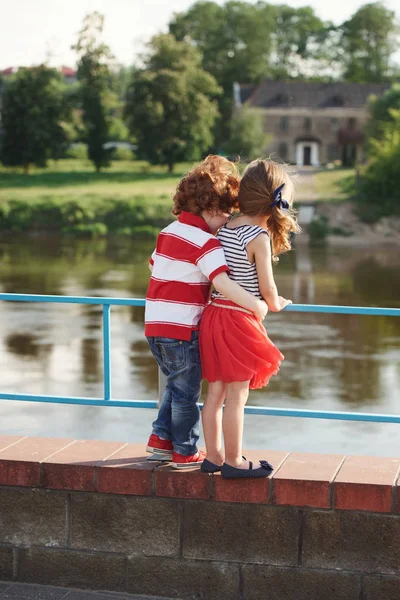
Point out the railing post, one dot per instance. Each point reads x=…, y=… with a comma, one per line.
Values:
x=106, y=351
x=162, y=384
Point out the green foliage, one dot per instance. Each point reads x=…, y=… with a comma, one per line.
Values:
x=380, y=185
x=139, y=217
x=318, y=231
x=169, y=107
x=247, y=138
x=96, y=98
x=368, y=41
x=299, y=34
x=78, y=151
x=380, y=110
x=33, y=109
x=236, y=42
x=123, y=154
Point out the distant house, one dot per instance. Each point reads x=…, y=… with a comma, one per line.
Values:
x=312, y=123
x=69, y=74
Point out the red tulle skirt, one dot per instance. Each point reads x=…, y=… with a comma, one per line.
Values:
x=234, y=346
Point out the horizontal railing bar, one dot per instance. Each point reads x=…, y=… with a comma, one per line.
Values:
x=312, y=308
x=250, y=410
x=73, y=299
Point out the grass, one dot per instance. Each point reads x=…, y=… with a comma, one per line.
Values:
x=129, y=198
x=334, y=185
x=76, y=178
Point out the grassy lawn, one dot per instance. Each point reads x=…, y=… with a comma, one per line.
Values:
x=334, y=185
x=74, y=178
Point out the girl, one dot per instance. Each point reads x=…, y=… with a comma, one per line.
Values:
x=236, y=352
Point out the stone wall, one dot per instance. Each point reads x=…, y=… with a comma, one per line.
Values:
x=98, y=515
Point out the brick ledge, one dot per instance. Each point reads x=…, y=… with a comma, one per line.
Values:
x=300, y=479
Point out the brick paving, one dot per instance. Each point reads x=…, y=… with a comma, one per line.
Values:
x=28, y=591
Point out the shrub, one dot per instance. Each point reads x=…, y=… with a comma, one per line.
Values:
x=318, y=231
x=78, y=151
x=123, y=154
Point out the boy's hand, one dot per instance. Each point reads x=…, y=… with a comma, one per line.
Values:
x=261, y=310
x=282, y=302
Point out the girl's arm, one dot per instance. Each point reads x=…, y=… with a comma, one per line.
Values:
x=260, y=250
x=234, y=292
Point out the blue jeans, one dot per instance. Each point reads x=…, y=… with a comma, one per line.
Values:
x=179, y=416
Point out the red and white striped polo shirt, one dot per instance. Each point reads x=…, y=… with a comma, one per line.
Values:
x=186, y=259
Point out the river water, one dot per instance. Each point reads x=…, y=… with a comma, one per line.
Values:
x=335, y=362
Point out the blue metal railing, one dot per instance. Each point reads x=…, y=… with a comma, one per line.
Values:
x=107, y=400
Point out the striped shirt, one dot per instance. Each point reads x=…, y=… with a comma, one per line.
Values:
x=234, y=242
x=186, y=259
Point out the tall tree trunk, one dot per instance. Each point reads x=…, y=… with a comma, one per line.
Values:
x=170, y=168
x=26, y=168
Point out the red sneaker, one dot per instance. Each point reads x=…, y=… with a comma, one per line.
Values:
x=163, y=448
x=179, y=461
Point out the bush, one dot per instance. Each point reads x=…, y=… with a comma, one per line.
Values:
x=79, y=151
x=123, y=154
x=318, y=231
x=138, y=217
x=380, y=185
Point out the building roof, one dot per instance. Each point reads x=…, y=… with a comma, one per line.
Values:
x=9, y=71
x=67, y=71
x=274, y=94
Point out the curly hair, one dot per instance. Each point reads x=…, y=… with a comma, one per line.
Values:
x=213, y=184
x=260, y=179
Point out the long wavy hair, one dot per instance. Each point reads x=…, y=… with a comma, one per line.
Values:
x=260, y=179
x=213, y=184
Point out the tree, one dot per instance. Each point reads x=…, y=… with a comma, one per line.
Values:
x=33, y=110
x=380, y=186
x=368, y=42
x=247, y=138
x=169, y=106
x=97, y=99
x=299, y=35
x=236, y=41
x=381, y=112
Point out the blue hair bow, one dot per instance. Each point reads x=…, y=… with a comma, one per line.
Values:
x=278, y=200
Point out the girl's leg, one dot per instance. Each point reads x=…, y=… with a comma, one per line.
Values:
x=212, y=421
x=232, y=423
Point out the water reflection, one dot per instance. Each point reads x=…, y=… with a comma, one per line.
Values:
x=338, y=362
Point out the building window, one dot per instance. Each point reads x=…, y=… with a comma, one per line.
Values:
x=307, y=124
x=335, y=124
x=282, y=99
x=337, y=101
x=333, y=152
x=283, y=150
x=351, y=123
x=284, y=124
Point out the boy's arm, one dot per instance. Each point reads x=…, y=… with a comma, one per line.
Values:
x=234, y=292
x=212, y=264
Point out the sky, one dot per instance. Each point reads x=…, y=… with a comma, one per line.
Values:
x=34, y=31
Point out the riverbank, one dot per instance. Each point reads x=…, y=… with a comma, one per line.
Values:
x=133, y=199
x=341, y=224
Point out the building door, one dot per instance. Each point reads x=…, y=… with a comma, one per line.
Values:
x=349, y=155
x=307, y=156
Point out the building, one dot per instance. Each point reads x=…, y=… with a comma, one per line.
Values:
x=68, y=73
x=312, y=123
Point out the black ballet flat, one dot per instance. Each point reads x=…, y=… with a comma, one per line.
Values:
x=264, y=470
x=209, y=467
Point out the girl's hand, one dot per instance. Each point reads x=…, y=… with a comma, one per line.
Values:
x=261, y=310
x=280, y=305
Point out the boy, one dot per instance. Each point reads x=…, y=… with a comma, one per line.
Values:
x=187, y=259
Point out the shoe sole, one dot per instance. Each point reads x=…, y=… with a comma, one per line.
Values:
x=159, y=458
x=166, y=453
x=182, y=466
